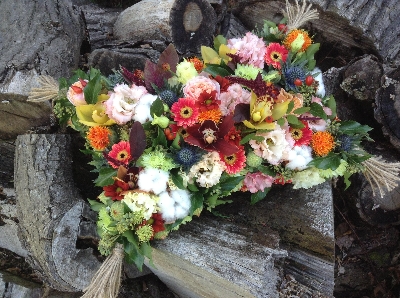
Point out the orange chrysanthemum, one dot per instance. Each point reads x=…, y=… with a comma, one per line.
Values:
x=291, y=37
x=198, y=64
x=213, y=115
x=322, y=143
x=98, y=137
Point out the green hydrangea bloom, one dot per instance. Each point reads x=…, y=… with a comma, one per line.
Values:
x=145, y=233
x=307, y=178
x=328, y=173
x=117, y=210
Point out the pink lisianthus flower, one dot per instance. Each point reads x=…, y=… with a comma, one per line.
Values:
x=122, y=102
x=197, y=85
x=233, y=96
x=251, y=49
x=75, y=93
x=255, y=182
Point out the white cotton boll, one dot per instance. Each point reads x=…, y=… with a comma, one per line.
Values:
x=321, y=87
x=299, y=157
x=167, y=208
x=153, y=180
x=142, y=110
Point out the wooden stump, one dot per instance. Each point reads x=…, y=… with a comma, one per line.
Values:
x=188, y=24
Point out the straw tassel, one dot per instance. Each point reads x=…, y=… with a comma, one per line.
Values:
x=381, y=174
x=48, y=90
x=107, y=280
x=298, y=16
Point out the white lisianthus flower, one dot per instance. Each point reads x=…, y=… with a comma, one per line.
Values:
x=153, y=180
x=142, y=110
x=141, y=202
x=299, y=157
x=174, y=204
x=208, y=171
x=274, y=148
x=120, y=107
x=307, y=178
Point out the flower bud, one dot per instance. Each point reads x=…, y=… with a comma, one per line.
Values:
x=161, y=121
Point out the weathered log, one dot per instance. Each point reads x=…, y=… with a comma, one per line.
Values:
x=7, y=150
x=49, y=207
x=52, y=215
x=290, y=232
x=188, y=24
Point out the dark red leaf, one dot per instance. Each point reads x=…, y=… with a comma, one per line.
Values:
x=241, y=113
x=169, y=56
x=137, y=140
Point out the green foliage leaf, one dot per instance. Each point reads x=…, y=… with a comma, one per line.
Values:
x=352, y=127
x=294, y=121
x=95, y=205
x=267, y=171
x=346, y=177
x=330, y=161
x=217, y=70
x=280, y=121
x=258, y=196
x=92, y=89
x=251, y=136
x=105, y=177
x=228, y=184
x=160, y=139
x=197, y=200
x=331, y=103
x=218, y=41
x=317, y=110
x=177, y=179
x=302, y=110
x=146, y=250
x=290, y=106
x=157, y=107
x=133, y=254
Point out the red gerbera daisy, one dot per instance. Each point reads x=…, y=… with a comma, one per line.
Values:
x=185, y=111
x=301, y=136
x=120, y=153
x=114, y=191
x=275, y=54
x=235, y=162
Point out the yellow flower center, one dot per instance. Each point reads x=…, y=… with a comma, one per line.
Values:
x=297, y=134
x=122, y=155
x=186, y=112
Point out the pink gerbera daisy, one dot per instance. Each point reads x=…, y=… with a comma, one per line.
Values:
x=275, y=54
x=120, y=154
x=235, y=162
x=185, y=111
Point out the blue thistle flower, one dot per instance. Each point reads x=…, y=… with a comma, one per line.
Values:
x=187, y=156
x=169, y=97
x=291, y=73
x=346, y=142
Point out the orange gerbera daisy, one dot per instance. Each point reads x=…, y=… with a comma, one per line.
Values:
x=294, y=35
x=322, y=142
x=98, y=137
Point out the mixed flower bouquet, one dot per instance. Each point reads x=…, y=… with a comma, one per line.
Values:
x=183, y=135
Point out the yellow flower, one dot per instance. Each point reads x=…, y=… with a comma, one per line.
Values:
x=94, y=114
x=263, y=111
x=210, y=56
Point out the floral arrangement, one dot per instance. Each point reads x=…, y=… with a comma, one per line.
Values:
x=182, y=136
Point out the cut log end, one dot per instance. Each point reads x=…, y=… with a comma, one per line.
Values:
x=192, y=24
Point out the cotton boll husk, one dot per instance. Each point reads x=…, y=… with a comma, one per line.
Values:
x=321, y=87
x=153, y=180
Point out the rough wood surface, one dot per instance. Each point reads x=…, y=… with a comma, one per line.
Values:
x=186, y=23
x=49, y=207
